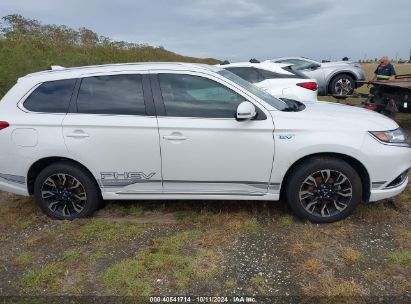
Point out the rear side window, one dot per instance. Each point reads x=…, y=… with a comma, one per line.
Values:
x=51, y=97
x=249, y=74
x=272, y=75
x=297, y=63
x=194, y=96
x=297, y=74
x=116, y=94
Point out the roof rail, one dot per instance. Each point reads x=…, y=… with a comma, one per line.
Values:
x=253, y=60
x=56, y=68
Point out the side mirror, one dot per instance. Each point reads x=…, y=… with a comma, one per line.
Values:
x=245, y=111
x=314, y=67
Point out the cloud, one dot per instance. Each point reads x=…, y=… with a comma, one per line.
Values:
x=239, y=29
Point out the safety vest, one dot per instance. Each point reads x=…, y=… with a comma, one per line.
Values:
x=385, y=72
x=383, y=77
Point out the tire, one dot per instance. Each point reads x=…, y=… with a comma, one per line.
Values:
x=66, y=191
x=318, y=182
x=342, y=84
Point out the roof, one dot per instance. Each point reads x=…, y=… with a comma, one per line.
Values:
x=266, y=65
x=58, y=72
x=292, y=57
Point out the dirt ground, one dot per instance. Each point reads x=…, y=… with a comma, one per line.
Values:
x=210, y=248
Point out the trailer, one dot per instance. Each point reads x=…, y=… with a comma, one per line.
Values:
x=387, y=97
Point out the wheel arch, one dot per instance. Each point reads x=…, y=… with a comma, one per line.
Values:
x=356, y=164
x=42, y=163
x=339, y=73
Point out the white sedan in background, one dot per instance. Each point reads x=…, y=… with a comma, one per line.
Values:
x=276, y=79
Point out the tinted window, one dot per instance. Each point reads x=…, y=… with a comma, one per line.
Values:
x=117, y=94
x=272, y=75
x=297, y=74
x=297, y=63
x=51, y=97
x=249, y=74
x=270, y=99
x=194, y=96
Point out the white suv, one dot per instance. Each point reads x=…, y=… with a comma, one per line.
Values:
x=73, y=137
x=277, y=79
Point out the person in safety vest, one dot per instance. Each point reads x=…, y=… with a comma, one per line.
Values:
x=385, y=70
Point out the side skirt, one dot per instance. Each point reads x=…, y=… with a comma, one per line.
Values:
x=191, y=196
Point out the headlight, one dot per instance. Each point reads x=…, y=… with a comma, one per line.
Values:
x=396, y=137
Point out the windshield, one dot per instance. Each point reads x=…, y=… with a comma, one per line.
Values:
x=271, y=100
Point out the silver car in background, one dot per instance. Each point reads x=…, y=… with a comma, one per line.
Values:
x=334, y=78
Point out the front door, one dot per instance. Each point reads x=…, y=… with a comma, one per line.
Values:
x=204, y=149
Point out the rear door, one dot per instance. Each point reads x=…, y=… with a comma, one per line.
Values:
x=204, y=149
x=112, y=130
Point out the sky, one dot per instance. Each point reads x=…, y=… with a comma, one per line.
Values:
x=238, y=29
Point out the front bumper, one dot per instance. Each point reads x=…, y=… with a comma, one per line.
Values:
x=377, y=195
x=387, y=166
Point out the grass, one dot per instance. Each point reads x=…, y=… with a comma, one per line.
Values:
x=103, y=230
x=345, y=289
x=285, y=221
x=351, y=255
x=239, y=225
x=401, y=257
x=311, y=265
x=136, y=210
x=24, y=259
x=36, y=239
x=46, y=279
x=230, y=284
x=125, y=277
x=258, y=282
x=163, y=258
x=70, y=255
x=375, y=212
x=97, y=255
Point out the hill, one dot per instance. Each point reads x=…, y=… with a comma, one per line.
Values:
x=26, y=46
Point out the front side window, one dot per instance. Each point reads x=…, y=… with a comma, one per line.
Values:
x=249, y=74
x=115, y=94
x=195, y=96
x=51, y=97
x=270, y=99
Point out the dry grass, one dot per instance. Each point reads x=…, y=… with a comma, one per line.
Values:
x=326, y=285
x=37, y=239
x=351, y=255
x=312, y=266
x=23, y=260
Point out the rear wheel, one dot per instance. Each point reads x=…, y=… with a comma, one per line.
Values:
x=66, y=191
x=342, y=85
x=323, y=190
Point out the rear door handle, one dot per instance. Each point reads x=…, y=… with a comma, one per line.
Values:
x=77, y=134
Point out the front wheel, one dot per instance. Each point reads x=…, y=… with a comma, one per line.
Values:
x=66, y=191
x=323, y=190
x=342, y=85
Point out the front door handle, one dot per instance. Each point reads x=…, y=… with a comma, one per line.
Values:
x=175, y=136
x=77, y=134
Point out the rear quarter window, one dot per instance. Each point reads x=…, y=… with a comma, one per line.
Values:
x=51, y=97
